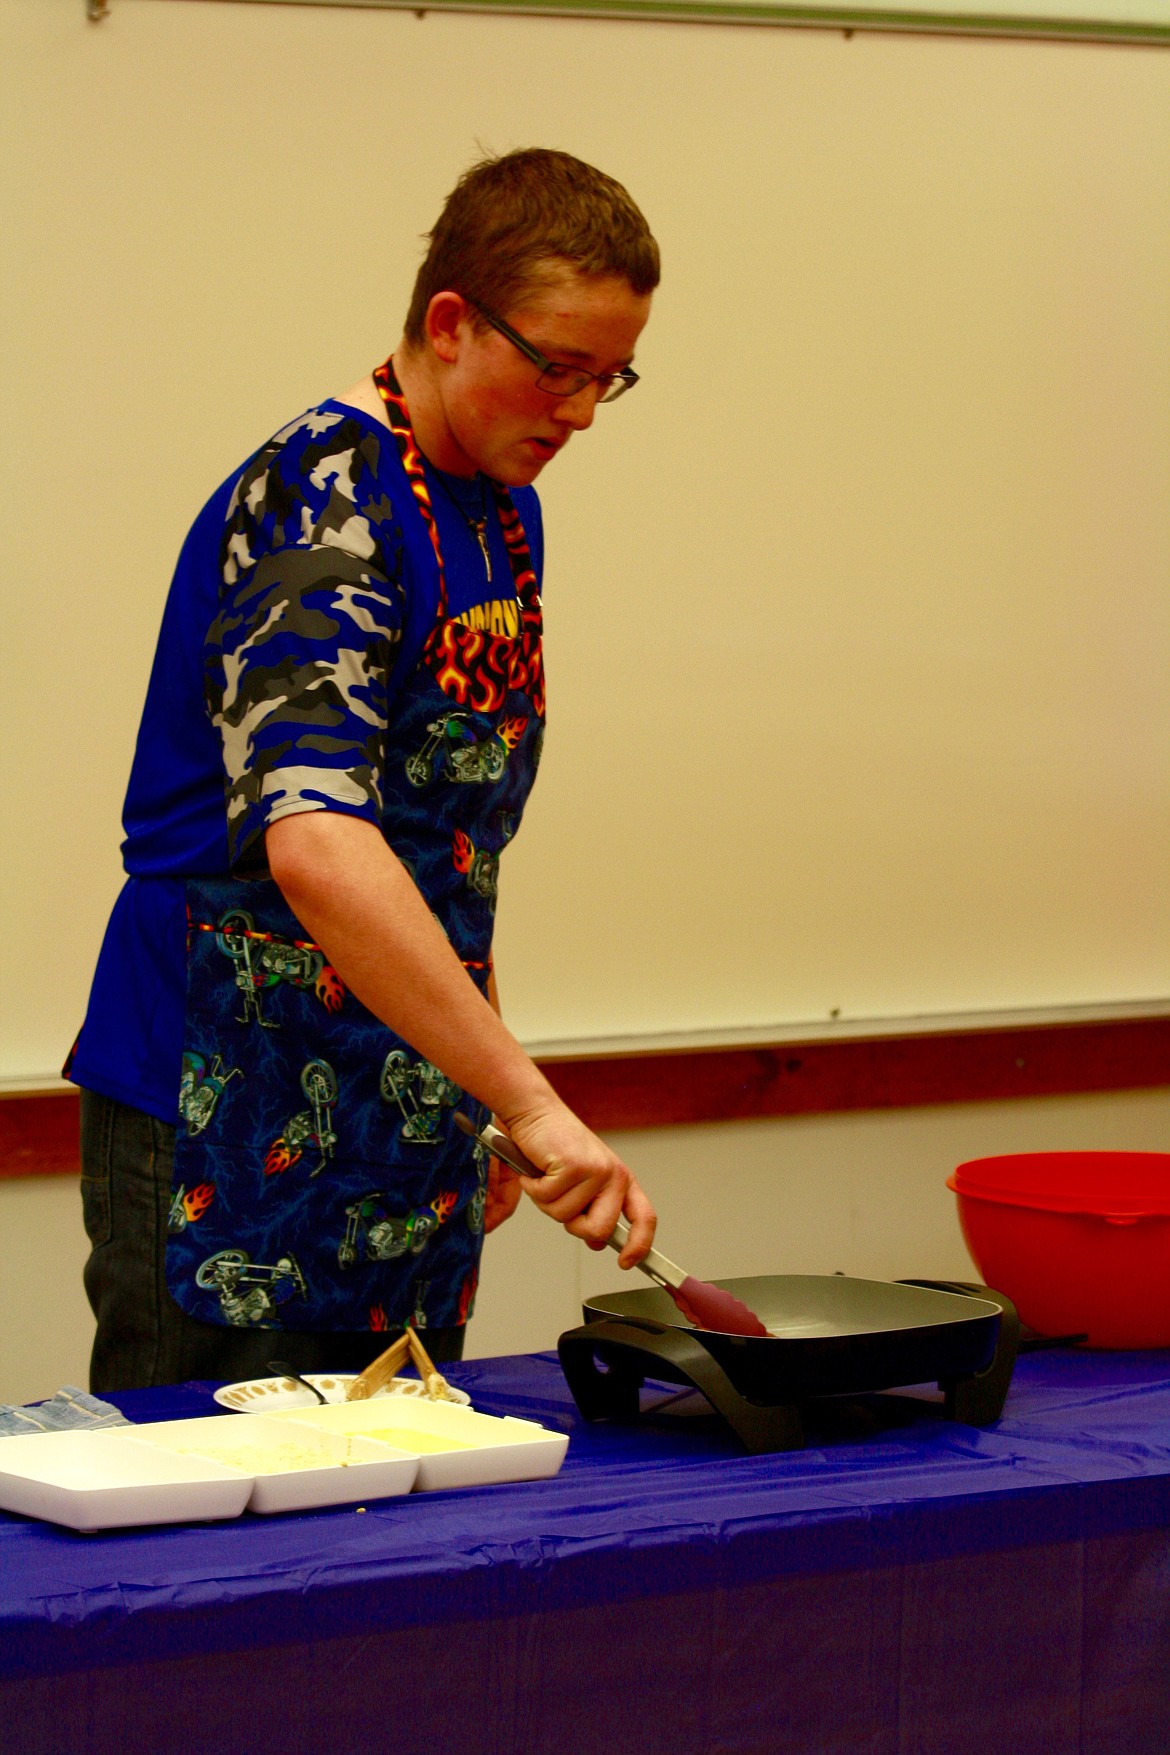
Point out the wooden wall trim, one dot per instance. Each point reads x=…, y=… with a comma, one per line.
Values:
x=38, y=1134
x=889, y=1072
x=38, y=1130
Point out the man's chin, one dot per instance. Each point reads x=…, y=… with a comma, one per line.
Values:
x=521, y=474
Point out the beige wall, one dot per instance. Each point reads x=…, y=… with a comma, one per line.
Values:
x=858, y=686
x=863, y=1193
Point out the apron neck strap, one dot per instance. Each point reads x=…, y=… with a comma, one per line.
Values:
x=519, y=558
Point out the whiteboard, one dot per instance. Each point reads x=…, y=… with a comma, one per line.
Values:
x=858, y=629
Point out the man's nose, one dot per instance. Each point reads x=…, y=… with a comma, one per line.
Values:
x=577, y=411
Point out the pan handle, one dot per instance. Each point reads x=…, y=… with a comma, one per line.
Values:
x=624, y=1346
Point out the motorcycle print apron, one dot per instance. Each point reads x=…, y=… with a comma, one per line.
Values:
x=320, y=1181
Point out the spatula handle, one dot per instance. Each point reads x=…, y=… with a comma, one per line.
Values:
x=501, y=1144
x=656, y=1265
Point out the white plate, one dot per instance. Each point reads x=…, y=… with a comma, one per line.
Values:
x=484, y=1449
x=265, y=1395
x=292, y=1467
x=108, y=1480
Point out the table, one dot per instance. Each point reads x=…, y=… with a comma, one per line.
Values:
x=906, y=1588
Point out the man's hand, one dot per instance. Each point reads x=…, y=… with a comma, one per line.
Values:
x=585, y=1185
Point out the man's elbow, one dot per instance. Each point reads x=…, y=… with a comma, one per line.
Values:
x=305, y=850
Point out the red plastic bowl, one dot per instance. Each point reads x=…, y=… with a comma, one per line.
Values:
x=1079, y=1241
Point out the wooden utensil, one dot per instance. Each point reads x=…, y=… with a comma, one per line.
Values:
x=388, y=1364
x=434, y=1382
x=705, y=1305
x=380, y=1370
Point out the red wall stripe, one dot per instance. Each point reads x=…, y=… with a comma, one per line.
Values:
x=890, y=1072
x=38, y=1131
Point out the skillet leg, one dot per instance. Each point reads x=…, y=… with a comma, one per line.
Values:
x=979, y=1400
x=623, y=1345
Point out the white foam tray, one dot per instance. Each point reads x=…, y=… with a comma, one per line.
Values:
x=496, y=1450
x=108, y=1480
x=351, y=1468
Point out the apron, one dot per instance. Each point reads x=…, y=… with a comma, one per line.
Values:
x=320, y=1181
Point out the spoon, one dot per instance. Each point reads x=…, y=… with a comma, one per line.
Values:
x=283, y=1370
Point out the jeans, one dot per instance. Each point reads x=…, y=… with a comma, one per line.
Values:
x=143, y=1338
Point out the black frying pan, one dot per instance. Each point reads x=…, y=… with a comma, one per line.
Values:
x=828, y=1335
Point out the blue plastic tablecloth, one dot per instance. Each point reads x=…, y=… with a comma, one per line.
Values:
x=928, y=1589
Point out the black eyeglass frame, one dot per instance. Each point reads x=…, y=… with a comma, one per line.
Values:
x=619, y=382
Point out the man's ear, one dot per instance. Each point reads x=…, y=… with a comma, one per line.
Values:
x=447, y=320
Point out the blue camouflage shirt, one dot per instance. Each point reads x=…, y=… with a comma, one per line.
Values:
x=298, y=610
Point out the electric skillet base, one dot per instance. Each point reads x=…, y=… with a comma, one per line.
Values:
x=829, y=1335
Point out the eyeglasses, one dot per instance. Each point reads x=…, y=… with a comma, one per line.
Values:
x=561, y=380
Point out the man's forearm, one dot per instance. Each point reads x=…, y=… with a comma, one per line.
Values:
x=360, y=905
x=357, y=901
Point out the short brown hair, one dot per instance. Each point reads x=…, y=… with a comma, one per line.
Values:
x=508, y=220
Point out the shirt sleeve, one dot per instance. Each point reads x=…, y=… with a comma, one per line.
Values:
x=297, y=662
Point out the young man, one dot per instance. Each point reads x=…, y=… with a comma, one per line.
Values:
x=295, y=993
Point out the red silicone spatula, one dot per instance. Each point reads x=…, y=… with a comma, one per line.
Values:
x=705, y=1305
